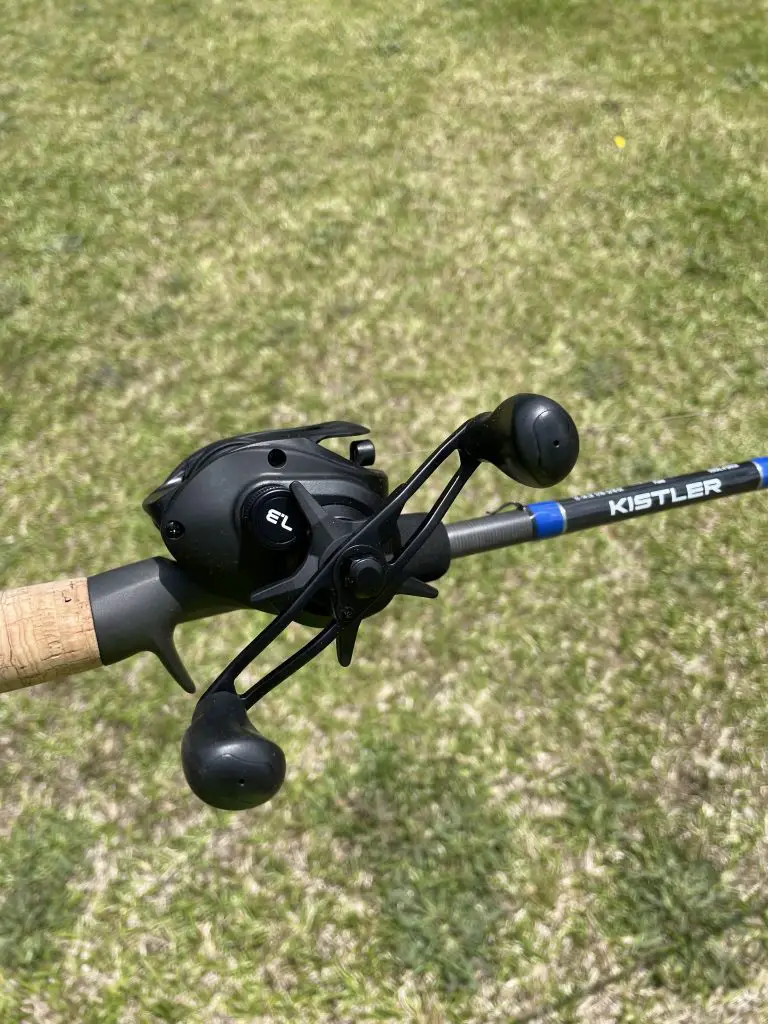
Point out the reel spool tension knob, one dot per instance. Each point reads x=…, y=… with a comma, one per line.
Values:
x=272, y=517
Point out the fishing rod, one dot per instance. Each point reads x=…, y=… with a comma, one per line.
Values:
x=277, y=522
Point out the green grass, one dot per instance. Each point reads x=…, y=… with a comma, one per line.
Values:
x=543, y=797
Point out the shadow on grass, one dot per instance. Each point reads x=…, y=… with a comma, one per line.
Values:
x=661, y=891
x=39, y=861
x=655, y=962
x=424, y=826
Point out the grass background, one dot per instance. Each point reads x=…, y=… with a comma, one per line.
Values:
x=544, y=797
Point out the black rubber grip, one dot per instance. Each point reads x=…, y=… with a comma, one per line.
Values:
x=431, y=561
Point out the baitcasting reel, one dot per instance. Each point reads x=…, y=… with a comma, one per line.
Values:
x=276, y=522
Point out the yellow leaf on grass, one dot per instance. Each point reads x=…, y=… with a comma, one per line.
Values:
x=620, y=141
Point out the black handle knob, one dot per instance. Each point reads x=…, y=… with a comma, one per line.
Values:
x=226, y=761
x=531, y=438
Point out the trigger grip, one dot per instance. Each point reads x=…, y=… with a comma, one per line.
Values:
x=137, y=608
x=165, y=649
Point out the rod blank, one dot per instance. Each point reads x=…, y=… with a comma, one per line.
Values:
x=544, y=519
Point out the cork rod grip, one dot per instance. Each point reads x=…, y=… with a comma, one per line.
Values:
x=46, y=631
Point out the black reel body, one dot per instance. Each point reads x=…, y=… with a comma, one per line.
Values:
x=229, y=519
x=275, y=521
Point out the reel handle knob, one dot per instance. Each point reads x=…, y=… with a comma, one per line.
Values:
x=530, y=438
x=226, y=761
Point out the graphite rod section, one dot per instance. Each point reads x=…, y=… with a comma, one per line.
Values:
x=544, y=519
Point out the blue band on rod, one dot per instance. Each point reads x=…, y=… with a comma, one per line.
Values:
x=549, y=518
